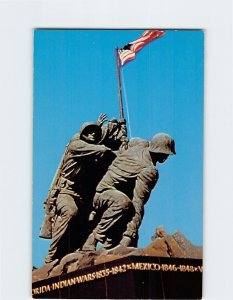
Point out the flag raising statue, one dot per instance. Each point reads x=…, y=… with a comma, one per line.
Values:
x=128, y=52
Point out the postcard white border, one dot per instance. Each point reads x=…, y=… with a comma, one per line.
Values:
x=18, y=18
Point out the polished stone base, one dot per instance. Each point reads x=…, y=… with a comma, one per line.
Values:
x=131, y=277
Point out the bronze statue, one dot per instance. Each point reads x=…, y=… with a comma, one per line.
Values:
x=69, y=201
x=124, y=190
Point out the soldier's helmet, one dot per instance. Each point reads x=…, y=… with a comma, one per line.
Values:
x=90, y=127
x=138, y=142
x=162, y=143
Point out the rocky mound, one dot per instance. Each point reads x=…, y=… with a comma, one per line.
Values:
x=162, y=245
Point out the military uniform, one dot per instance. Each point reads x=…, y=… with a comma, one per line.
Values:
x=83, y=166
x=124, y=190
x=81, y=171
x=114, y=135
x=122, y=194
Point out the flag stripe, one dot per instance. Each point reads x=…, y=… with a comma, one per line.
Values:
x=148, y=36
x=126, y=55
x=129, y=51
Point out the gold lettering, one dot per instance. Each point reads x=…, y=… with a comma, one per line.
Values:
x=35, y=291
x=174, y=268
x=45, y=288
x=71, y=281
x=152, y=267
x=121, y=269
x=85, y=278
x=157, y=267
x=164, y=267
x=89, y=277
x=124, y=268
x=55, y=286
x=191, y=268
x=98, y=275
x=135, y=266
x=200, y=268
x=78, y=279
x=107, y=272
x=93, y=275
x=182, y=268
x=40, y=290
x=63, y=284
x=114, y=271
x=140, y=266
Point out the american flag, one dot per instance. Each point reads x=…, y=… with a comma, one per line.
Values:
x=128, y=52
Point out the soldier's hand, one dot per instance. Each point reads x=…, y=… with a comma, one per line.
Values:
x=122, y=121
x=105, y=149
x=92, y=216
x=96, y=201
x=124, y=146
x=102, y=118
x=126, y=241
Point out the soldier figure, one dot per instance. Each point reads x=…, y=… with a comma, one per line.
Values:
x=125, y=189
x=114, y=134
x=84, y=164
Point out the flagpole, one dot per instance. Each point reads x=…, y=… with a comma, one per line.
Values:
x=119, y=85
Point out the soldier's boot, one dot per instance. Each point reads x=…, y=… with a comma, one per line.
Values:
x=90, y=244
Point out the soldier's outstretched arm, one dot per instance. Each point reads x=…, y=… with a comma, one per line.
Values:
x=145, y=182
x=81, y=148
